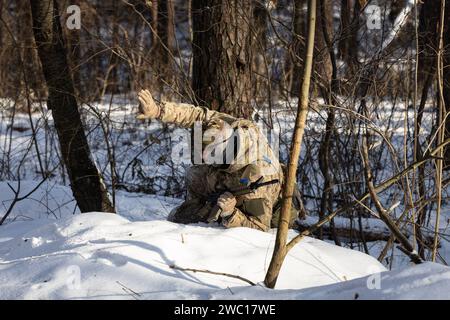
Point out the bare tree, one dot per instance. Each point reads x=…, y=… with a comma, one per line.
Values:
x=298, y=42
x=280, y=249
x=86, y=182
x=446, y=76
x=165, y=43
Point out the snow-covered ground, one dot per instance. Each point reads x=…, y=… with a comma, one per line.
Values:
x=67, y=255
x=45, y=245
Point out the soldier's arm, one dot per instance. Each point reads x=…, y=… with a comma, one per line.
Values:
x=181, y=114
x=185, y=115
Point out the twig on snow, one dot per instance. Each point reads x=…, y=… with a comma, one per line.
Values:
x=213, y=272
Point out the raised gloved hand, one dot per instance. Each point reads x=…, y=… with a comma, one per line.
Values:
x=148, y=109
x=226, y=202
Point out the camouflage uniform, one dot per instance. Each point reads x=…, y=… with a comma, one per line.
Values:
x=253, y=210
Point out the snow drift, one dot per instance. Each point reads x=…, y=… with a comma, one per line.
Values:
x=131, y=256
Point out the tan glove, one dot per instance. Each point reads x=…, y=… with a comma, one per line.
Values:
x=148, y=109
x=226, y=202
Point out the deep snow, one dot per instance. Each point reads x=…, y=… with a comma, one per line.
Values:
x=129, y=256
x=145, y=161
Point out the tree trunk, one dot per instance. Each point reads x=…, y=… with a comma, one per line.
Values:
x=222, y=55
x=165, y=43
x=86, y=183
x=427, y=49
x=280, y=249
x=260, y=47
x=165, y=28
x=112, y=75
x=446, y=79
x=2, y=48
x=74, y=56
x=1, y=27
x=322, y=63
x=350, y=37
x=344, y=35
x=330, y=93
x=299, y=35
x=154, y=23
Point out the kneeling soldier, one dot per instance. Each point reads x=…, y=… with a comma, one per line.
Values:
x=246, y=162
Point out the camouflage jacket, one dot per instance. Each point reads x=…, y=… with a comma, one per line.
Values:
x=252, y=210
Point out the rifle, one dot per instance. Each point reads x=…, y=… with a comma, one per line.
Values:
x=212, y=198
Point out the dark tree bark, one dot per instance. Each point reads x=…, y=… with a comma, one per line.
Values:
x=112, y=77
x=165, y=29
x=222, y=54
x=322, y=63
x=299, y=34
x=1, y=27
x=329, y=93
x=165, y=42
x=348, y=37
x=428, y=39
x=74, y=55
x=428, y=48
x=344, y=34
x=260, y=46
x=154, y=23
x=86, y=183
x=2, y=92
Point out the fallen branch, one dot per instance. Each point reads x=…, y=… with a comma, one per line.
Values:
x=213, y=272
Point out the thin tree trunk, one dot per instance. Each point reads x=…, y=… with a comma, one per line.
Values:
x=427, y=43
x=280, y=249
x=343, y=44
x=86, y=183
x=326, y=202
x=299, y=35
x=112, y=76
x=353, y=42
x=260, y=65
x=322, y=68
x=446, y=79
x=154, y=23
x=1, y=26
x=165, y=43
x=440, y=128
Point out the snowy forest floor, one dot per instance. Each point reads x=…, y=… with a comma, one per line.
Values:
x=131, y=256
x=49, y=251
